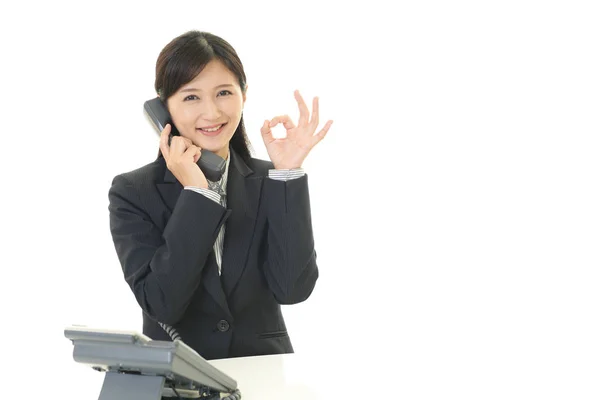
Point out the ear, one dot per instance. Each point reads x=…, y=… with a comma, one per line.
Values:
x=244, y=94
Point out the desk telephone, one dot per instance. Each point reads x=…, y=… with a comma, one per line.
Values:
x=138, y=368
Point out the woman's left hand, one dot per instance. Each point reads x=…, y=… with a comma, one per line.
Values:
x=289, y=152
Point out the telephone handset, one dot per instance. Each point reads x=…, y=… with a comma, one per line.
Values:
x=211, y=164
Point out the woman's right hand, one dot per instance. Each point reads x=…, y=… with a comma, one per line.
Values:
x=181, y=158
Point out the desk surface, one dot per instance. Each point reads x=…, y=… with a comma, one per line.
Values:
x=282, y=376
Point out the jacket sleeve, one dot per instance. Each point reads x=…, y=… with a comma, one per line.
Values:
x=291, y=268
x=163, y=269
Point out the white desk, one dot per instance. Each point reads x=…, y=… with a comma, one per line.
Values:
x=276, y=377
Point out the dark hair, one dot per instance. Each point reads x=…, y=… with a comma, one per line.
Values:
x=185, y=57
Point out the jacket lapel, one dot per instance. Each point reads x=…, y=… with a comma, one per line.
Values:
x=212, y=284
x=170, y=190
x=243, y=194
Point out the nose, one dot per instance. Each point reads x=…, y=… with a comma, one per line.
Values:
x=209, y=110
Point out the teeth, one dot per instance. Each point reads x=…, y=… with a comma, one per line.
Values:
x=216, y=128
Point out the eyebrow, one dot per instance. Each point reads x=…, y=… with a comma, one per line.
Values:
x=191, y=89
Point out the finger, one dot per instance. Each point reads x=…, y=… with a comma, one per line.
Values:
x=187, y=142
x=191, y=152
x=265, y=130
x=164, y=141
x=178, y=143
x=179, y=146
x=314, y=119
x=319, y=136
x=285, y=120
x=197, y=155
x=303, y=120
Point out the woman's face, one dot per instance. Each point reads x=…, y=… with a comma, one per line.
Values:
x=208, y=109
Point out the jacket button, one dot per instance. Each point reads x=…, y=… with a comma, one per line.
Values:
x=223, y=325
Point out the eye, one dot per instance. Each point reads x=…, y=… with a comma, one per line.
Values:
x=191, y=97
x=224, y=93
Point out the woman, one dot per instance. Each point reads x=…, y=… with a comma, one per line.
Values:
x=210, y=263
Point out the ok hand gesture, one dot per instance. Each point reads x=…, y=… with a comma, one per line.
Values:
x=290, y=152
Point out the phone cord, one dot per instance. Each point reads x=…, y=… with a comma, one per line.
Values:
x=172, y=332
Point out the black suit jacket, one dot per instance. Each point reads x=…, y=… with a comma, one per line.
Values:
x=164, y=239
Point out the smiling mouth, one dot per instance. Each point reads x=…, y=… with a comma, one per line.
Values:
x=213, y=131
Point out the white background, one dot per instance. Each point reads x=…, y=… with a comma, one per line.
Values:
x=455, y=200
